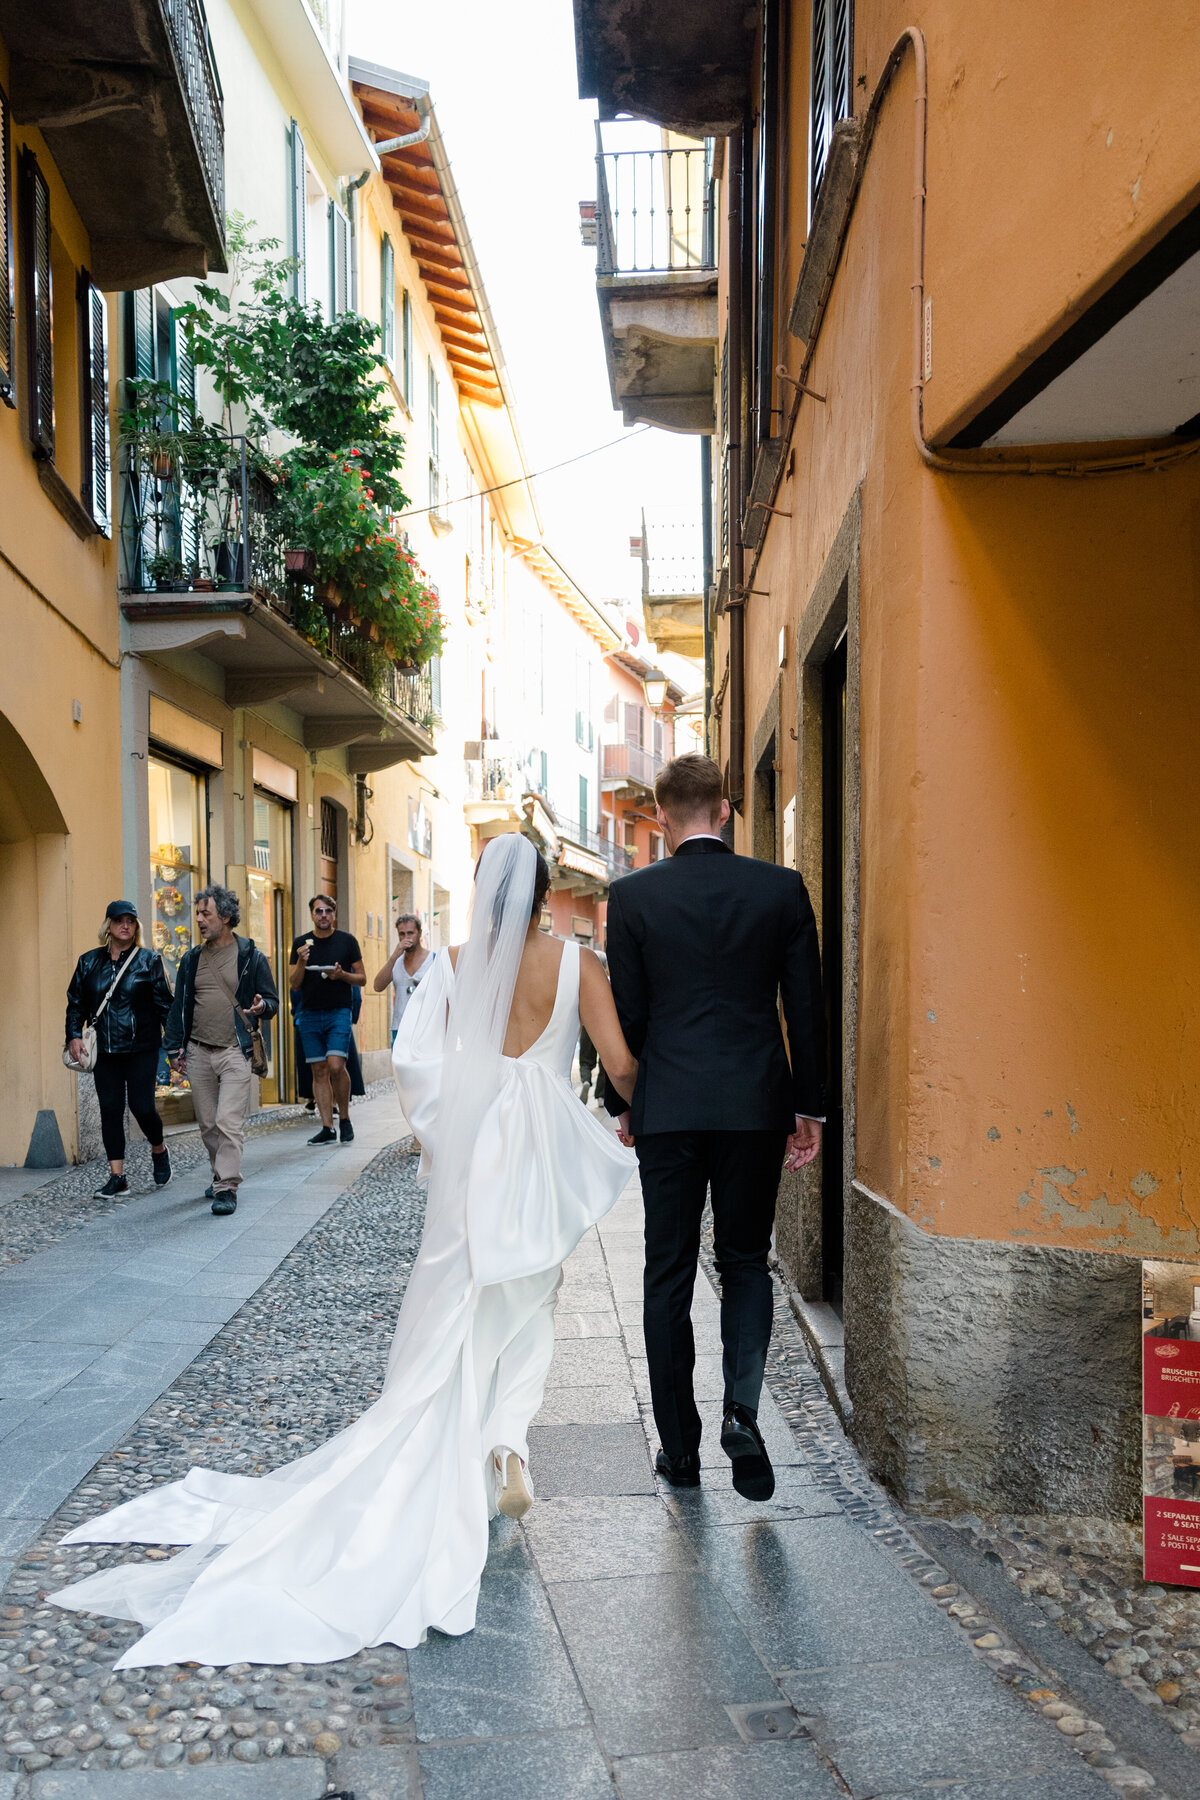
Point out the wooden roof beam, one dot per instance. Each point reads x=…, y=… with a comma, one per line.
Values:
x=462, y=359
x=454, y=303
x=415, y=200
x=448, y=277
x=457, y=337
x=486, y=396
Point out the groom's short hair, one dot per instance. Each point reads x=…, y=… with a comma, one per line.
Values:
x=688, y=785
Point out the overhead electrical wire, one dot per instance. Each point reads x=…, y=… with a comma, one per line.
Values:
x=413, y=512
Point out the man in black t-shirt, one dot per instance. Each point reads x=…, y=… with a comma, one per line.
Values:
x=325, y=965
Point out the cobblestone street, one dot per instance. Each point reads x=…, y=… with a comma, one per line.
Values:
x=632, y=1640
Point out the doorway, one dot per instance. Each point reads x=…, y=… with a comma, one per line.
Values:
x=833, y=924
x=270, y=892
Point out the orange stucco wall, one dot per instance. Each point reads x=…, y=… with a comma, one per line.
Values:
x=1028, y=1053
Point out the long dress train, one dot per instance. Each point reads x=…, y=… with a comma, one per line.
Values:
x=382, y=1533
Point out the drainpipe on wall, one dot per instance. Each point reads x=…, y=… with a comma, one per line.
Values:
x=706, y=579
x=733, y=487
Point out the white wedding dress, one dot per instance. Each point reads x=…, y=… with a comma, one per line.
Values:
x=383, y=1532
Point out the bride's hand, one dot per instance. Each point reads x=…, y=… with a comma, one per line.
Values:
x=623, y=1131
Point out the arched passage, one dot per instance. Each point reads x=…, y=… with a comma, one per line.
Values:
x=34, y=861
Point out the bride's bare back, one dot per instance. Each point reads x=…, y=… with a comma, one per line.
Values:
x=533, y=1004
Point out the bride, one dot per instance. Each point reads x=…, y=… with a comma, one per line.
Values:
x=382, y=1534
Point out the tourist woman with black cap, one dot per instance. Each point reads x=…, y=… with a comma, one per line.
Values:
x=121, y=991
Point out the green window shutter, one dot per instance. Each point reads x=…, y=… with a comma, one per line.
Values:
x=339, y=261
x=298, y=209
x=93, y=324
x=183, y=380
x=136, y=487
x=39, y=312
x=140, y=334
x=831, y=96
x=387, y=290
x=183, y=372
x=406, y=322
x=7, y=297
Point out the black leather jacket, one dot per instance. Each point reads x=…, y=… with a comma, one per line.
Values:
x=133, y=1019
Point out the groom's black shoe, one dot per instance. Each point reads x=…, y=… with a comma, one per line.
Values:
x=680, y=1471
x=741, y=1440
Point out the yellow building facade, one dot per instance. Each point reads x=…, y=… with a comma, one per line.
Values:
x=85, y=207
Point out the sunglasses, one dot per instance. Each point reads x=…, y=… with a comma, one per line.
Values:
x=324, y=912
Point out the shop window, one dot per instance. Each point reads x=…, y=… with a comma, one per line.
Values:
x=178, y=855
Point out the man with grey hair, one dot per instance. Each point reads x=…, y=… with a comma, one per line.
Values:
x=221, y=984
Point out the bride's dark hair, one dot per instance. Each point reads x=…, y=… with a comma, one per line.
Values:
x=541, y=884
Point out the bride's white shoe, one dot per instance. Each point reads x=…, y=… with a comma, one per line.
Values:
x=514, y=1496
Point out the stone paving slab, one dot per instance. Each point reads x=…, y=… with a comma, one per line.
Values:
x=509, y=1675
x=589, y=1459
x=577, y=1540
x=566, y=1766
x=659, y=1657
x=786, y=1771
x=909, y=1723
x=300, y=1780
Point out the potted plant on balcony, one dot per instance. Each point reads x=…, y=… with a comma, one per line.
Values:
x=166, y=572
x=299, y=562
x=329, y=516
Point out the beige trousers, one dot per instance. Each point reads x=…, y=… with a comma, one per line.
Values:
x=220, y=1083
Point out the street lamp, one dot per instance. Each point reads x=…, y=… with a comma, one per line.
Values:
x=655, y=685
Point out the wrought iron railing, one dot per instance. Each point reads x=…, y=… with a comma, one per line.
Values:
x=616, y=858
x=196, y=517
x=654, y=212
x=629, y=762
x=193, y=52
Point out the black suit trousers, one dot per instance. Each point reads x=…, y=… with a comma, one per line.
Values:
x=678, y=1169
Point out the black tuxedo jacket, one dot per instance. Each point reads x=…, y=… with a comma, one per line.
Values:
x=701, y=949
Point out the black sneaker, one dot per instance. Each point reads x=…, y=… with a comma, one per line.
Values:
x=310, y=1106
x=224, y=1201
x=326, y=1135
x=208, y=1192
x=116, y=1184
x=162, y=1166
x=345, y=1131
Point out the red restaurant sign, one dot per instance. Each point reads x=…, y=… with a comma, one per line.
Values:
x=1171, y=1422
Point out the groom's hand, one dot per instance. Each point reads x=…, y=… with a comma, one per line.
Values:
x=803, y=1144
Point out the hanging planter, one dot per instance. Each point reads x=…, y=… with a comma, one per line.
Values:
x=164, y=465
x=299, y=562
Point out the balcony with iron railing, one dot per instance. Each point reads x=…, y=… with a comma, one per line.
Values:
x=616, y=858
x=654, y=225
x=204, y=559
x=629, y=765
x=128, y=100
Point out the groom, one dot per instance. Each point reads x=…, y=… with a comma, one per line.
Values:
x=701, y=951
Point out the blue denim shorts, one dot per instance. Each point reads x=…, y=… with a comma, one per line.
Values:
x=325, y=1033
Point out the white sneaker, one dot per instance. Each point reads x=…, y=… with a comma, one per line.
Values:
x=514, y=1494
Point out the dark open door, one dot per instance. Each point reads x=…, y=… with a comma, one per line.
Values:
x=833, y=863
